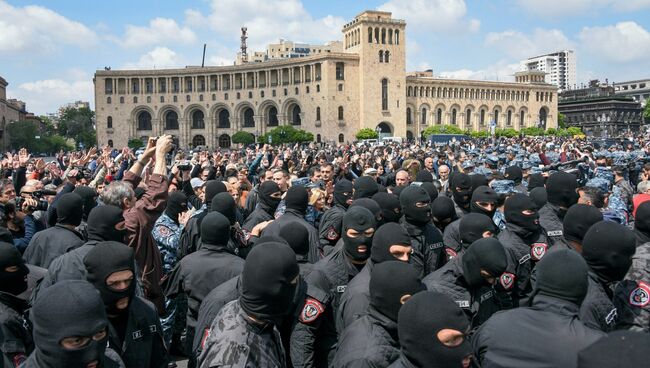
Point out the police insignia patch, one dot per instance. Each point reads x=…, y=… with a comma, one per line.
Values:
x=450, y=253
x=310, y=312
x=164, y=230
x=507, y=280
x=640, y=296
x=331, y=234
x=538, y=250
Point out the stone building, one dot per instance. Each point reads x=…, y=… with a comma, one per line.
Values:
x=331, y=94
x=11, y=111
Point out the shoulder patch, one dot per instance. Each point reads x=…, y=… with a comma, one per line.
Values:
x=538, y=250
x=435, y=246
x=507, y=280
x=451, y=254
x=332, y=234
x=463, y=303
x=640, y=296
x=611, y=316
x=164, y=230
x=310, y=312
x=555, y=233
x=206, y=334
x=19, y=359
x=524, y=259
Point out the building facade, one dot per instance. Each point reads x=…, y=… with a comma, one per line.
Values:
x=639, y=90
x=560, y=68
x=332, y=94
x=11, y=111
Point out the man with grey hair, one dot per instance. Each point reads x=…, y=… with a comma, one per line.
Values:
x=141, y=214
x=643, y=187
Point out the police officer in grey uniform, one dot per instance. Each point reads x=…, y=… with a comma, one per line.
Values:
x=561, y=193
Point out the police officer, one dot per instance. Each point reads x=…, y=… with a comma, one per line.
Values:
x=516, y=174
x=329, y=230
x=426, y=239
x=390, y=242
x=578, y=219
x=548, y=332
x=134, y=331
x=371, y=340
x=200, y=272
x=191, y=235
x=313, y=341
x=15, y=332
x=168, y=228
x=71, y=328
x=460, y=185
x=608, y=248
x=443, y=212
x=297, y=237
x=239, y=243
x=391, y=209
x=269, y=197
x=469, y=280
x=432, y=340
x=50, y=243
x=364, y=187
x=244, y=332
x=525, y=242
x=561, y=193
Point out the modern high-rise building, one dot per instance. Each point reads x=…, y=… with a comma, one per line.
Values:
x=560, y=68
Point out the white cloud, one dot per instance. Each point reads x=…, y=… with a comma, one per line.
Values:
x=623, y=42
x=33, y=28
x=518, y=45
x=576, y=7
x=502, y=71
x=48, y=95
x=160, y=57
x=159, y=31
x=432, y=15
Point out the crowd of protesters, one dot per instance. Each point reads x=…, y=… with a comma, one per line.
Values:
x=494, y=252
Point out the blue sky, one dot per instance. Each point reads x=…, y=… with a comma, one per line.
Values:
x=49, y=50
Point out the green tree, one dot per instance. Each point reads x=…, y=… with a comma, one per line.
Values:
x=366, y=133
x=78, y=124
x=551, y=131
x=561, y=123
x=135, y=143
x=442, y=129
x=646, y=112
x=532, y=131
x=574, y=131
x=479, y=134
x=23, y=134
x=509, y=132
x=243, y=138
x=286, y=134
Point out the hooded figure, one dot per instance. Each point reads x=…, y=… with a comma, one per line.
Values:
x=443, y=211
x=578, y=219
x=431, y=190
x=460, y=185
x=473, y=227
x=484, y=200
x=425, y=337
x=561, y=193
x=365, y=187
x=329, y=229
x=13, y=271
x=106, y=223
x=63, y=237
x=514, y=173
x=64, y=314
x=371, y=206
x=110, y=268
x=268, y=196
x=176, y=204
x=297, y=236
x=642, y=223
x=535, y=181
x=360, y=221
x=390, y=207
x=607, y=247
x=547, y=332
x=372, y=340
x=343, y=193
x=89, y=197
x=539, y=197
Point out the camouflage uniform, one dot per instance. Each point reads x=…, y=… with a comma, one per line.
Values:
x=236, y=342
x=632, y=296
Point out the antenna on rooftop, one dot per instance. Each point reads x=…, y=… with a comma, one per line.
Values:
x=203, y=59
x=244, y=37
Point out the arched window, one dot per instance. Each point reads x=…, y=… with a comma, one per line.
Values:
x=171, y=120
x=369, y=34
x=197, y=120
x=341, y=113
x=198, y=140
x=249, y=120
x=390, y=36
x=109, y=122
x=482, y=118
x=317, y=113
x=318, y=139
x=381, y=56
x=144, y=120
x=223, y=119
x=384, y=94
x=509, y=119
x=376, y=35
x=341, y=138
x=397, y=37
x=423, y=118
x=453, y=116
x=383, y=36
x=408, y=116
x=387, y=57
x=439, y=116
x=340, y=71
x=295, y=115
x=273, y=116
x=468, y=118
x=224, y=141
x=496, y=118
x=108, y=100
x=521, y=118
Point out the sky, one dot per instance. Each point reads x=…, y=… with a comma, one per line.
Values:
x=50, y=50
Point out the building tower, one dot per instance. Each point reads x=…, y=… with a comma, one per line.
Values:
x=379, y=40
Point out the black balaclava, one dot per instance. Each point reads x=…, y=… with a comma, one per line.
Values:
x=443, y=211
x=418, y=326
x=608, y=248
x=463, y=182
x=212, y=188
x=431, y=190
x=484, y=194
x=66, y=309
x=485, y=254
x=412, y=213
x=225, y=204
x=554, y=280
x=387, y=235
x=266, y=199
x=514, y=173
x=297, y=198
x=397, y=190
x=473, y=225
x=617, y=349
x=478, y=180
x=176, y=204
x=535, y=181
x=642, y=223
x=266, y=292
x=12, y=282
x=578, y=219
x=102, y=221
x=539, y=197
x=343, y=193
x=104, y=259
x=371, y=206
x=69, y=209
x=561, y=189
x=89, y=197
x=297, y=236
x=522, y=225
x=391, y=209
x=424, y=176
x=365, y=187
x=215, y=229
x=360, y=219
x=389, y=282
